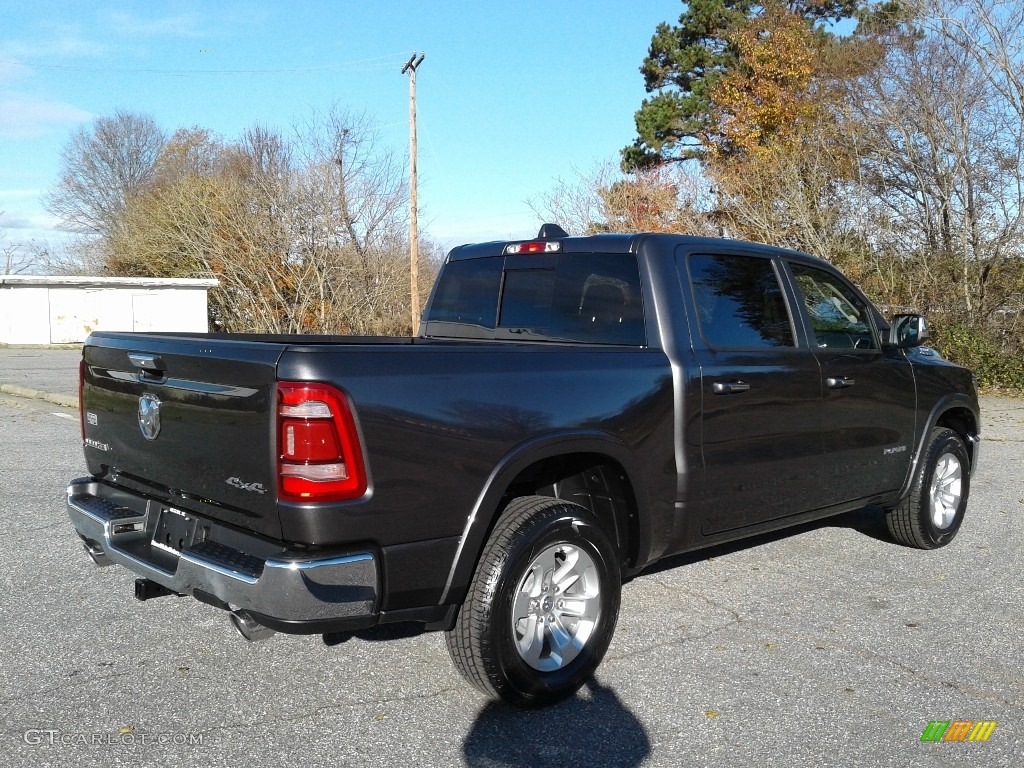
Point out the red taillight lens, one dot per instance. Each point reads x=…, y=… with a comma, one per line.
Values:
x=319, y=456
x=307, y=441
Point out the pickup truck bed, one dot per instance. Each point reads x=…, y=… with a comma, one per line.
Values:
x=453, y=431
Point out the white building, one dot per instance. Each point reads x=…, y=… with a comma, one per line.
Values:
x=64, y=310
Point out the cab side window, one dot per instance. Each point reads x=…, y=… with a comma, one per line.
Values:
x=839, y=317
x=739, y=302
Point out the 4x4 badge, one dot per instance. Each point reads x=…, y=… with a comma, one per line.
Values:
x=149, y=416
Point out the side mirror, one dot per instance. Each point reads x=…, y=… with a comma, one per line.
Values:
x=908, y=331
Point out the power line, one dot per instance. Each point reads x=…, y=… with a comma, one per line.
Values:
x=385, y=62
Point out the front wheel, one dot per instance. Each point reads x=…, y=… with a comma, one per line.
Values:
x=931, y=514
x=542, y=606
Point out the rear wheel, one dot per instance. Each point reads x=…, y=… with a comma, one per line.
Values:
x=931, y=514
x=542, y=606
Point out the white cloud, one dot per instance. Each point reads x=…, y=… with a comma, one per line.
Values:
x=15, y=221
x=7, y=195
x=26, y=117
x=29, y=223
x=66, y=44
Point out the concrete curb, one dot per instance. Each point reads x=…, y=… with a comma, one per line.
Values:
x=36, y=394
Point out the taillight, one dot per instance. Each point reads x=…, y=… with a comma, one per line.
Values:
x=81, y=399
x=319, y=458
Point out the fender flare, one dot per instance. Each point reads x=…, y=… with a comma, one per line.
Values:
x=942, y=406
x=482, y=517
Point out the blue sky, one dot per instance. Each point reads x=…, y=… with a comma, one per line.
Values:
x=511, y=96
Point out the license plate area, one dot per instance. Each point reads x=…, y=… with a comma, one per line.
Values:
x=175, y=530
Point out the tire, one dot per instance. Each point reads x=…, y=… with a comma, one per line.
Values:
x=930, y=516
x=542, y=606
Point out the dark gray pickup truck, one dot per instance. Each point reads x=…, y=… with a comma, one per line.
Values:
x=573, y=409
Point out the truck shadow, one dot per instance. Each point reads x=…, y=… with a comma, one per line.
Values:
x=594, y=728
x=379, y=633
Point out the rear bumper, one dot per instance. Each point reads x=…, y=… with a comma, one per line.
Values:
x=285, y=590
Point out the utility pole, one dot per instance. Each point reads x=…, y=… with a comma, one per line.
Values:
x=414, y=246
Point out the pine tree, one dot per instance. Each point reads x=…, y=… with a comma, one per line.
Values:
x=687, y=61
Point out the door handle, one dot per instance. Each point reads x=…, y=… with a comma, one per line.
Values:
x=839, y=382
x=729, y=387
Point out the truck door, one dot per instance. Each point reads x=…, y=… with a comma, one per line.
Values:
x=761, y=392
x=869, y=404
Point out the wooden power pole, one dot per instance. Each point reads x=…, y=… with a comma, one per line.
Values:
x=414, y=246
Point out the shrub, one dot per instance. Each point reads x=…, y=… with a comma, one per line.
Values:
x=992, y=353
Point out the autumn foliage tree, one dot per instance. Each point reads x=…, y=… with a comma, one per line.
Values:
x=765, y=98
x=783, y=155
x=687, y=61
x=895, y=150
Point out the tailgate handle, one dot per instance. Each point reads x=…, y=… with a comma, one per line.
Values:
x=147, y=362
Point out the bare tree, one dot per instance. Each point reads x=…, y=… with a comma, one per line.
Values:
x=350, y=170
x=14, y=259
x=188, y=152
x=18, y=258
x=84, y=255
x=357, y=193
x=942, y=162
x=102, y=166
x=306, y=233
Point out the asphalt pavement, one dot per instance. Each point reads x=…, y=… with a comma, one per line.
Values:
x=825, y=645
x=43, y=373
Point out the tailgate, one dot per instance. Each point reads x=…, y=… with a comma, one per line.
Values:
x=187, y=419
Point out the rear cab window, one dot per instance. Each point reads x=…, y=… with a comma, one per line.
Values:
x=591, y=298
x=740, y=302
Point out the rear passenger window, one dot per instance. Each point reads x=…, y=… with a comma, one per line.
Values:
x=739, y=302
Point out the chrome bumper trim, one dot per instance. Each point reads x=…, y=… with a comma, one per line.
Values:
x=248, y=573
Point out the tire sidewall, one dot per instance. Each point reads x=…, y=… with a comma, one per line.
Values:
x=535, y=688
x=947, y=442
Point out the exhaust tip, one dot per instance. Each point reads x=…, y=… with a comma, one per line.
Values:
x=96, y=554
x=249, y=628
